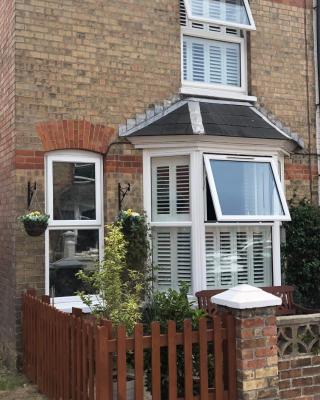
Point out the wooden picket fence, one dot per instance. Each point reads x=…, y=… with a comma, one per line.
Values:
x=71, y=357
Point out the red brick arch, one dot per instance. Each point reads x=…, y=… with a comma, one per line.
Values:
x=75, y=134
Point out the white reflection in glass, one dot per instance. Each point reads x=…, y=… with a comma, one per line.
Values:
x=74, y=196
x=71, y=250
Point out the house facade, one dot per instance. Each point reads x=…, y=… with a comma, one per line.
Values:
x=204, y=110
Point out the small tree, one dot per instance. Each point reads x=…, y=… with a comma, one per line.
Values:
x=301, y=253
x=118, y=299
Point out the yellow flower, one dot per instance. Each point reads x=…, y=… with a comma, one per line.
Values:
x=129, y=212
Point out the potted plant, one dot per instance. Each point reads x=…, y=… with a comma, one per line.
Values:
x=35, y=223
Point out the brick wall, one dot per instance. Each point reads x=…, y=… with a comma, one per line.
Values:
x=7, y=190
x=282, y=77
x=300, y=378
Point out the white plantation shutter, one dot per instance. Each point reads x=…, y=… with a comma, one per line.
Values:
x=172, y=257
x=258, y=259
x=211, y=264
x=226, y=264
x=238, y=255
x=170, y=189
x=163, y=259
x=242, y=257
x=211, y=61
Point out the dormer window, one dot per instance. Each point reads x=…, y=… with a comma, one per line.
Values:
x=214, y=57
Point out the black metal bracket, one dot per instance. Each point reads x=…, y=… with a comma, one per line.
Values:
x=31, y=191
x=122, y=192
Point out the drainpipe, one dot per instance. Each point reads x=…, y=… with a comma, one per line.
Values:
x=316, y=16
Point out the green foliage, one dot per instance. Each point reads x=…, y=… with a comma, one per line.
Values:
x=10, y=381
x=136, y=233
x=173, y=305
x=118, y=299
x=301, y=253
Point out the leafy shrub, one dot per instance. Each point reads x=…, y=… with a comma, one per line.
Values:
x=119, y=299
x=136, y=233
x=301, y=253
x=172, y=305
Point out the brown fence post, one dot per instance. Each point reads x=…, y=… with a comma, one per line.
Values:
x=103, y=366
x=256, y=341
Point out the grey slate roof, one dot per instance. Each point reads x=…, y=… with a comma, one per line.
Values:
x=200, y=116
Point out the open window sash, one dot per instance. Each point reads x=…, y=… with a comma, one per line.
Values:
x=231, y=13
x=245, y=189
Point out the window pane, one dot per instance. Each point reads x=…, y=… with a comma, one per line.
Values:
x=71, y=250
x=74, y=194
x=238, y=255
x=246, y=188
x=224, y=10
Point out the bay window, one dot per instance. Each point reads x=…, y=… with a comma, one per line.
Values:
x=74, y=236
x=217, y=226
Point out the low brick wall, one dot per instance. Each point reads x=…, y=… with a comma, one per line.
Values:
x=299, y=362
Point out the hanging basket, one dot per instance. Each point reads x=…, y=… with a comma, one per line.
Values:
x=35, y=228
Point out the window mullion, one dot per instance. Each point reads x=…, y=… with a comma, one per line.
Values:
x=198, y=228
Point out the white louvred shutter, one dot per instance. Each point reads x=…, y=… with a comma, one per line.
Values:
x=211, y=267
x=232, y=11
x=182, y=189
x=242, y=257
x=259, y=273
x=170, y=189
x=163, y=259
x=163, y=190
x=172, y=257
x=198, y=62
x=197, y=7
x=232, y=60
x=185, y=60
x=226, y=278
x=216, y=67
x=215, y=9
x=184, y=257
x=237, y=256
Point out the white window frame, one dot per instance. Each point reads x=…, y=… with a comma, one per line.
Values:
x=217, y=88
x=66, y=302
x=234, y=218
x=197, y=223
x=250, y=27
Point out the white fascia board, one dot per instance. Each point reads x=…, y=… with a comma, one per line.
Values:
x=215, y=144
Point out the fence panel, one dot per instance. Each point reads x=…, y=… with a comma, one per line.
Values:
x=71, y=357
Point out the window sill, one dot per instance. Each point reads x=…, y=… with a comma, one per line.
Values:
x=216, y=93
x=66, y=304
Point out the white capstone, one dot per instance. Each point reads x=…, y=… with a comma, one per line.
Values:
x=246, y=296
